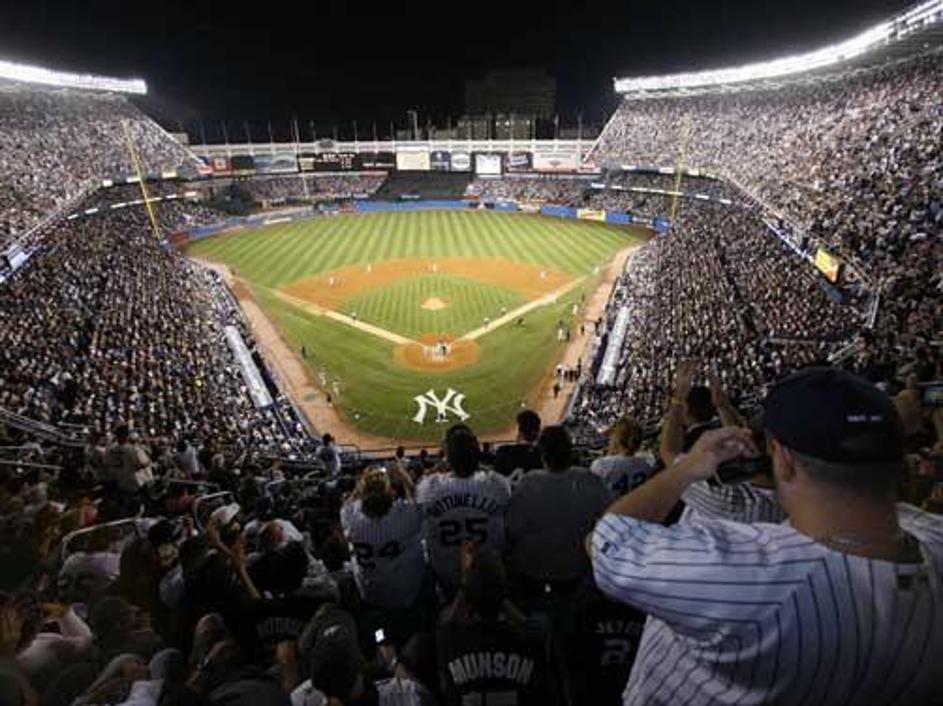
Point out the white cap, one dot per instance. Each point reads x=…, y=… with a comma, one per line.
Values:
x=222, y=516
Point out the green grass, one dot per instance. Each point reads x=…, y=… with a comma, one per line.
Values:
x=397, y=307
x=275, y=256
x=376, y=394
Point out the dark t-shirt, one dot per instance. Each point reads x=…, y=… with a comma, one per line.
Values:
x=279, y=619
x=524, y=456
x=493, y=662
x=600, y=642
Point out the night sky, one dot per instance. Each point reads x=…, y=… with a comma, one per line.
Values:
x=334, y=62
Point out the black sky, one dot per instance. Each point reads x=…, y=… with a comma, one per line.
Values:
x=336, y=61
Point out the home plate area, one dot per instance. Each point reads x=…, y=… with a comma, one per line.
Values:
x=432, y=310
x=434, y=353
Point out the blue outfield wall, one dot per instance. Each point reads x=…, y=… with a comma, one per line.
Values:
x=558, y=211
x=619, y=219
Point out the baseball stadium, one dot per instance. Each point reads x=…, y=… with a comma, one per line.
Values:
x=559, y=355
x=379, y=308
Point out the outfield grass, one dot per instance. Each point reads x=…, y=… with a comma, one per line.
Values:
x=377, y=394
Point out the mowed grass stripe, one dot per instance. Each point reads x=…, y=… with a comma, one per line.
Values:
x=276, y=255
x=377, y=394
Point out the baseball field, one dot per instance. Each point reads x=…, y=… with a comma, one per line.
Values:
x=385, y=308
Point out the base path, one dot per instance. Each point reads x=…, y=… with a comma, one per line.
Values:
x=342, y=318
x=520, y=311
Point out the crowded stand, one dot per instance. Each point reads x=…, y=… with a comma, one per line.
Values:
x=829, y=157
x=721, y=287
x=442, y=580
x=522, y=189
x=57, y=144
x=731, y=517
x=638, y=203
x=106, y=324
x=306, y=188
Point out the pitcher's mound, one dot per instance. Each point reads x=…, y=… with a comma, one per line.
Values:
x=436, y=354
x=434, y=304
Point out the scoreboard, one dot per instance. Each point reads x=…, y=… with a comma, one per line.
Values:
x=331, y=162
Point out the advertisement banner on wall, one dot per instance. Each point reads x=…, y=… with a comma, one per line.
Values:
x=440, y=161
x=828, y=265
x=412, y=161
x=378, y=160
x=487, y=164
x=518, y=162
x=461, y=162
x=283, y=163
x=591, y=214
x=221, y=165
x=556, y=162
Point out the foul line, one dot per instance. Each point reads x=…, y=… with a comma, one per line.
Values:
x=550, y=298
x=342, y=318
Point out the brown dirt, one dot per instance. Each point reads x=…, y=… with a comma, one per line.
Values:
x=542, y=401
x=435, y=304
x=311, y=399
x=415, y=357
x=331, y=289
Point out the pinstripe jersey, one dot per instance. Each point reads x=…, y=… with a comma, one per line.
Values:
x=762, y=614
x=459, y=509
x=740, y=502
x=388, y=562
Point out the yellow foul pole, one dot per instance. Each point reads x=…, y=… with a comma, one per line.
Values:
x=138, y=170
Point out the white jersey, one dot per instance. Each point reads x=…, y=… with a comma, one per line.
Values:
x=388, y=562
x=762, y=614
x=623, y=473
x=740, y=502
x=461, y=509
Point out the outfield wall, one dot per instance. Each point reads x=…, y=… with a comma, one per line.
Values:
x=305, y=213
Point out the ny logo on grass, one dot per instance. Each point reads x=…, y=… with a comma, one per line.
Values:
x=451, y=402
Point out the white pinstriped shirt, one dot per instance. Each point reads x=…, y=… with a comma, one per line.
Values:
x=762, y=614
x=387, y=552
x=741, y=502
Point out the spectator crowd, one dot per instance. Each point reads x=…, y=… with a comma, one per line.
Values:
x=106, y=324
x=855, y=164
x=57, y=144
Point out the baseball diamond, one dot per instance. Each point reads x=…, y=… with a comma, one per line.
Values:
x=472, y=301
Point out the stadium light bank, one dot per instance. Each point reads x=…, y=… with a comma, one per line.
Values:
x=898, y=27
x=37, y=74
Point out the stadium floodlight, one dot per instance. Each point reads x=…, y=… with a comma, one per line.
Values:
x=914, y=19
x=48, y=77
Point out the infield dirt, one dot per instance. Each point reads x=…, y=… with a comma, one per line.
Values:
x=421, y=356
x=331, y=289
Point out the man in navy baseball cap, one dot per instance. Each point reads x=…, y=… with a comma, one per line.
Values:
x=839, y=604
x=842, y=429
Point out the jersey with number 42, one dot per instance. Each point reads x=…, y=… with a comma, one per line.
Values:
x=456, y=510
